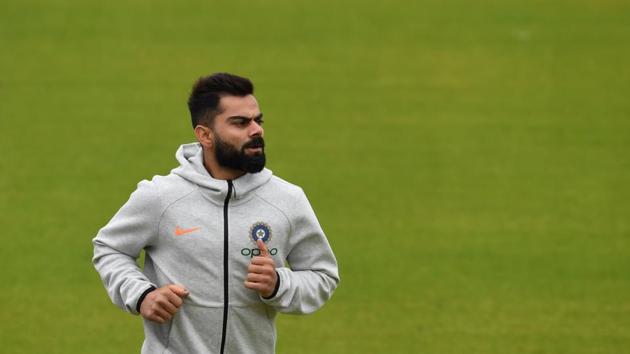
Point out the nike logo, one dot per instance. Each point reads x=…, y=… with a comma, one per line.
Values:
x=179, y=231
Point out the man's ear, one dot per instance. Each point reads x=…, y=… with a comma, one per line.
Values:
x=204, y=136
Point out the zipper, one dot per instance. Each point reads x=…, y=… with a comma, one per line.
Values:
x=225, y=264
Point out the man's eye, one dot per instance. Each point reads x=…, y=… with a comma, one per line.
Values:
x=260, y=121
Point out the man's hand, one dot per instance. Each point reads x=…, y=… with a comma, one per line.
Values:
x=261, y=273
x=162, y=303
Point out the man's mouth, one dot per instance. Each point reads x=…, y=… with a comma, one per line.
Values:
x=255, y=146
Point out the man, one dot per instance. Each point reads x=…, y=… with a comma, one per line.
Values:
x=227, y=244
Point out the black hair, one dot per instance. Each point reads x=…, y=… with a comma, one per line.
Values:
x=203, y=102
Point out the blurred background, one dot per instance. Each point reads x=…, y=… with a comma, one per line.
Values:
x=468, y=160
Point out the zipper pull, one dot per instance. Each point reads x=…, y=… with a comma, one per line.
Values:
x=232, y=189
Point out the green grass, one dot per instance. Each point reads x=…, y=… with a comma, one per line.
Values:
x=469, y=162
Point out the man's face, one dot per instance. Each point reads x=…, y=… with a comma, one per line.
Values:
x=238, y=134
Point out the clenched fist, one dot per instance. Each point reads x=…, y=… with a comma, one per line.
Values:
x=162, y=303
x=261, y=273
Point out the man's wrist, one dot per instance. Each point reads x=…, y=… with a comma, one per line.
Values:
x=276, y=288
x=141, y=298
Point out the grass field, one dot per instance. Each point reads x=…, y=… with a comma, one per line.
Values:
x=469, y=161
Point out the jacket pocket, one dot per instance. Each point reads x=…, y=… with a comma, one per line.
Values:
x=251, y=330
x=155, y=336
x=195, y=329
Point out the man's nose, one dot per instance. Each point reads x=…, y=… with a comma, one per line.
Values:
x=256, y=129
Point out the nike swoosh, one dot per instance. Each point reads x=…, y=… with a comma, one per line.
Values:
x=179, y=231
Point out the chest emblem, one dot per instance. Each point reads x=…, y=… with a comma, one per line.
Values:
x=260, y=230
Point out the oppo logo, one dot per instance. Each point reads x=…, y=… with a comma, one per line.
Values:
x=253, y=252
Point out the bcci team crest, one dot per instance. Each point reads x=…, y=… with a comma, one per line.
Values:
x=260, y=230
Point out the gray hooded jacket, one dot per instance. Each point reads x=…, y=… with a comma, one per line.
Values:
x=200, y=232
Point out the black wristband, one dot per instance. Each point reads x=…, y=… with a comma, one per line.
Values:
x=275, y=290
x=144, y=294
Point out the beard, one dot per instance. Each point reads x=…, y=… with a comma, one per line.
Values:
x=229, y=156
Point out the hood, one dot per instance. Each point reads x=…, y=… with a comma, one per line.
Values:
x=191, y=168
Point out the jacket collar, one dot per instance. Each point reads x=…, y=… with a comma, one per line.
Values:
x=190, y=157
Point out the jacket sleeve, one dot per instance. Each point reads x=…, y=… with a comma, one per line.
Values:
x=117, y=247
x=312, y=275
